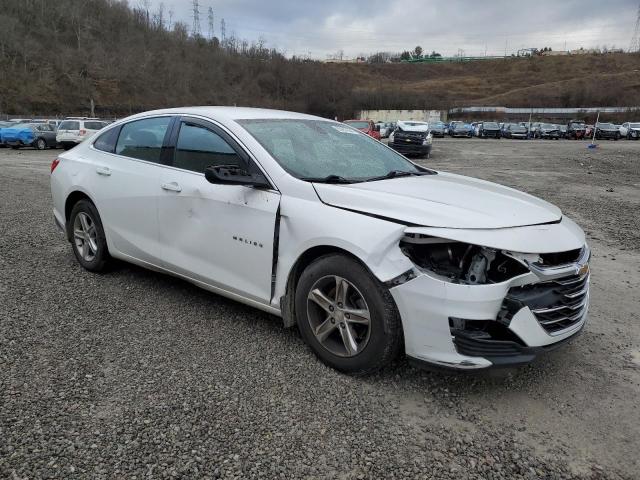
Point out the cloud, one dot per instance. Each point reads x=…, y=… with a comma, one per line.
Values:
x=476, y=27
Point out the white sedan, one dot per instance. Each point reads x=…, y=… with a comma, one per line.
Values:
x=369, y=254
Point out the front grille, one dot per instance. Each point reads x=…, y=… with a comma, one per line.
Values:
x=560, y=258
x=408, y=138
x=557, y=304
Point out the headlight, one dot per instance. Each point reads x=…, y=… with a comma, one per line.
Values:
x=459, y=262
x=428, y=139
x=391, y=137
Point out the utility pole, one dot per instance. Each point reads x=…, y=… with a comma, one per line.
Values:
x=635, y=40
x=170, y=26
x=195, y=29
x=223, y=29
x=211, y=23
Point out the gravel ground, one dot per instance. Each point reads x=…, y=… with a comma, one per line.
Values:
x=134, y=374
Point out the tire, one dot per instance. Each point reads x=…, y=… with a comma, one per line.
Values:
x=40, y=144
x=67, y=146
x=85, y=231
x=375, y=344
x=15, y=147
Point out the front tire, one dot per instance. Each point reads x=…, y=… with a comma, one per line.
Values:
x=41, y=144
x=346, y=316
x=87, y=236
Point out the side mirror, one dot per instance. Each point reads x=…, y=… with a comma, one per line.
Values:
x=234, y=175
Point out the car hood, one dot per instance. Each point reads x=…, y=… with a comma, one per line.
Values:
x=442, y=200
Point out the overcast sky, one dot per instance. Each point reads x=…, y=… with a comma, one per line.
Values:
x=323, y=27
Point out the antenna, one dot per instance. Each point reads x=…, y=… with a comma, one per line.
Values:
x=635, y=40
x=210, y=23
x=223, y=29
x=195, y=29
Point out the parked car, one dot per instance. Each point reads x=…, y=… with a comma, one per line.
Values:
x=562, y=129
x=2, y=126
x=548, y=131
x=607, y=131
x=489, y=130
x=369, y=254
x=439, y=129
x=36, y=135
x=385, y=129
x=576, y=130
x=515, y=130
x=461, y=130
x=412, y=138
x=365, y=126
x=630, y=130
x=72, y=131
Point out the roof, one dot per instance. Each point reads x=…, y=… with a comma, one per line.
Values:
x=233, y=113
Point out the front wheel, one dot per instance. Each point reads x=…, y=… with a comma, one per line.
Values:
x=87, y=236
x=346, y=316
x=41, y=144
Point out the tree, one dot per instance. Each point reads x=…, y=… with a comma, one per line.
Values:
x=406, y=55
x=417, y=52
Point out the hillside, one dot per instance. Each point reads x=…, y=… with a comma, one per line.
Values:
x=55, y=57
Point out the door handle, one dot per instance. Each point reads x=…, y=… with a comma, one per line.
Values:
x=103, y=171
x=172, y=187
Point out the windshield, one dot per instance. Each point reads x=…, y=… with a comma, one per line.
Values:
x=316, y=149
x=605, y=125
x=634, y=125
x=490, y=125
x=362, y=125
x=548, y=126
x=415, y=124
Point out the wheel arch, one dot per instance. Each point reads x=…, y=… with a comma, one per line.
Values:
x=74, y=197
x=306, y=258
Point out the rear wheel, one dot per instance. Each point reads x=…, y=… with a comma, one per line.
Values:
x=347, y=316
x=41, y=144
x=87, y=236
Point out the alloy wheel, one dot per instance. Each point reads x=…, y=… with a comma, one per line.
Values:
x=339, y=316
x=85, y=236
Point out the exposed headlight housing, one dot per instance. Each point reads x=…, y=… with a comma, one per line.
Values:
x=459, y=262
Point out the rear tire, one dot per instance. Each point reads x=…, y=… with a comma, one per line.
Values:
x=346, y=316
x=41, y=144
x=85, y=231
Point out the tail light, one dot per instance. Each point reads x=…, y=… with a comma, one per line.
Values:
x=83, y=132
x=54, y=164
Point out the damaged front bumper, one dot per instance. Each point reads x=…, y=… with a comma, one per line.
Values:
x=470, y=327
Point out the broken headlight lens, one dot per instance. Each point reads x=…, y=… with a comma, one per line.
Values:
x=460, y=262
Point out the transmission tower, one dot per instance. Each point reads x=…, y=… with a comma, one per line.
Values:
x=223, y=29
x=195, y=29
x=211, y=32
x=635, y=41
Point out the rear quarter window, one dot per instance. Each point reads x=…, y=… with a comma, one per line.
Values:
x=106, y=142
x=94, y=125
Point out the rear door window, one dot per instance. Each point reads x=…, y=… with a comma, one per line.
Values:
x=143, y=139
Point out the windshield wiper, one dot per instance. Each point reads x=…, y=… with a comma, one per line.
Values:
x=327, y=179
x=395, y=174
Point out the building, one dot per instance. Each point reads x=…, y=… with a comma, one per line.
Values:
x=395, y=115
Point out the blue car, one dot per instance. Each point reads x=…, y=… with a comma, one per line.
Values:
x=36, y=135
